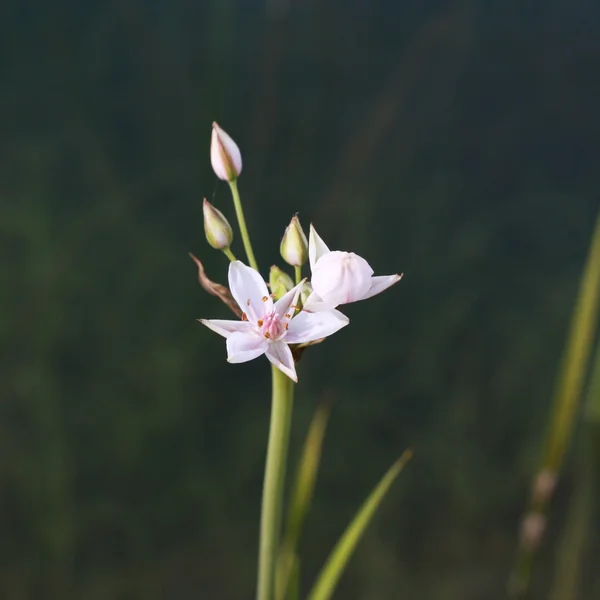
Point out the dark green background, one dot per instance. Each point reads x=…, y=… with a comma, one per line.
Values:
x=457, y=142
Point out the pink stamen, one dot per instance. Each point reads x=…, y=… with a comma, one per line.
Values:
x=272, y=327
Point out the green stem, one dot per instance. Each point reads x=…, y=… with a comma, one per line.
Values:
x=298, y=273
x=229, y=254
x=239, y=211
x=573, y=370
x=272, y=500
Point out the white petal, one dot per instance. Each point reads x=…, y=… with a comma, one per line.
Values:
x=227, y=328
x=242, y=347
x=249, y=290
x=380, y=284
x=287, y=303
x=341, y=277
x=280, y=355
x=316, y=247
x=308, y=327
x=314, y=303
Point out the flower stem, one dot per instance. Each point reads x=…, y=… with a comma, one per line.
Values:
x=272, y=500
x=239, y=211
x=229, y=254
x=298, y=274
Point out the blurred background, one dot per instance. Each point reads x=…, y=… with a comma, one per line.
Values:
x=455, y=141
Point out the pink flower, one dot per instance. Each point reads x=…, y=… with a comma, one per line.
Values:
x=340, y=277
x=268, y=327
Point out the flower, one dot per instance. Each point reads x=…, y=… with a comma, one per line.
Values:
x=225, y=156
x=216, y=227
x=268, y=327
x=340, y=277
x=294, y=247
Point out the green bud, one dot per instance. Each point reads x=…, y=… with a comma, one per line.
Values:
x=305, y=291
x=279, y=282
x=217, y=228
x=294, y=247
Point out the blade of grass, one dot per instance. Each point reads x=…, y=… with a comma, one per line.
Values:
x=575, y=540
x=565, y=407
x=338, y=559
x=294, y=588
x=301, y=498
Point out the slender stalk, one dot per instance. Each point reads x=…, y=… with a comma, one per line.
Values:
x=239, y=211
x=272, y=500
x=571, y=552
x=288, y=565
x=566, y=407
x=576, y=540
x=229, y=254
x=298, y=274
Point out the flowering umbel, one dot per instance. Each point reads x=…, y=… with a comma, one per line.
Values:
x=294, y=246
x=216, y=227
x=268, y=327
x=340, y=277
x=225, y=155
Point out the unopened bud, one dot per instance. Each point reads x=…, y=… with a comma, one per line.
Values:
x=279, y=282
x=225, y=156
x=294, y=246
x=305, y=291
x=543, y=485
x=532, y=529
x=216, y=226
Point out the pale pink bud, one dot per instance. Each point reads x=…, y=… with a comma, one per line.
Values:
x=217, y=228
x=544, y=484
x=294, y=245
x=225, y=156
x=532, y=529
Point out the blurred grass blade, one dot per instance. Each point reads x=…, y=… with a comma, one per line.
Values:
x=592, y=406
x=294, y=587
x=566, y=405
x=331, y=572
x=576, y=357
x=576, y=540
x=300, y=501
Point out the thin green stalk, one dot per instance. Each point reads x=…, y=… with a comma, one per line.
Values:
x=239, y=211
x=299, y=504
x=272, y=500
x=566, y=405
x=298, y=272
x=575, y=541
x=229, y=254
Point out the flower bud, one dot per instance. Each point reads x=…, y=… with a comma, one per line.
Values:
x=216, y=226
x=305, y=291
x=224, y=155
x=294, y=247
x=279, y=282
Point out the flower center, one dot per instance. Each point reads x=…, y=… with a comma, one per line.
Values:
x=272, y=327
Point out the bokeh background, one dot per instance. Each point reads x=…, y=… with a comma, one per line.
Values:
x=456, y=141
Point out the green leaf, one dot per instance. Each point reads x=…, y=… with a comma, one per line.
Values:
x=334, y=567
x=300, y=501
